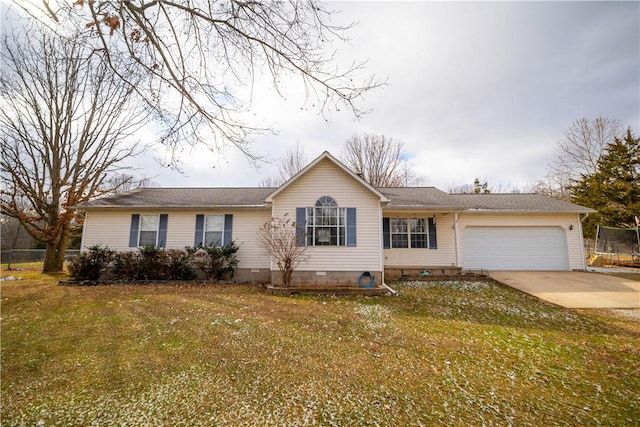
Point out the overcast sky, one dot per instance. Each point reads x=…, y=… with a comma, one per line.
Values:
x=476, y=89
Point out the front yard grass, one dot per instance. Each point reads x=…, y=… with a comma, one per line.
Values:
x=451, y=353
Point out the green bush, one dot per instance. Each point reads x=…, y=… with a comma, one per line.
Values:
x=180, y=265
x=125, y=266
x=218, y=263
x=90, y=265
x=154, y=263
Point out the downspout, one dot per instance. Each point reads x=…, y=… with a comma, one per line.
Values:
x=381, y=246
x=584, y=262
x=84, y=230
x=455, y=238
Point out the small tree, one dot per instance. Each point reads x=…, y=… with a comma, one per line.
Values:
x=279, y=239
x=614, y=188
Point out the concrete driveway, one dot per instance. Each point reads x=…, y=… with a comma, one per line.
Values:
x=574, y=289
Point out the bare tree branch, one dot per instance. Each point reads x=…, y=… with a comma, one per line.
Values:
x=380, y=160
x=198, y=58
x=279, y=240
x=578, y=153
x=66, y=125
x=292, y=162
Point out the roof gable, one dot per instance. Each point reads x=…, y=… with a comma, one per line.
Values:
x=327, y=156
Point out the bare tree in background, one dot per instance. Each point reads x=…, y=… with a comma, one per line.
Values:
x=201, y=59
x=578, y=153
x=122, y=182
x=380, y=160
x=13, y=234
x=292, y=162
x=65, y=128
x=486, y=187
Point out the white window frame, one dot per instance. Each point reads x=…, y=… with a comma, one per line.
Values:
x=326, y=218
x=410, y=225
x=140, y=229
x=220, y=243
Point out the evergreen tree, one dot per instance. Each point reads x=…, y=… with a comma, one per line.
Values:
x=614, y=188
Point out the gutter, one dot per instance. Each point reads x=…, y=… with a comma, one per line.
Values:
x=165, y=207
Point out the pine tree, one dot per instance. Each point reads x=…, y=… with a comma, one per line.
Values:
x=614, y=188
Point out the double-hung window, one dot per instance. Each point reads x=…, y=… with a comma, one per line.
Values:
x=327, y=224
x=148, y=230
x=213, y=230
x=409, y=233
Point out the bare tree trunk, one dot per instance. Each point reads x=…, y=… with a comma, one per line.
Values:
x=65, y=127
x=50, y=258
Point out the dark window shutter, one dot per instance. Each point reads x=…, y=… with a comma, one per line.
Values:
x=301, y=219
x=162, y=230
x=199, y=230
x=351, y=227
x=386, y=234
x=228, y=228
x=133, y=231
x=433, y=241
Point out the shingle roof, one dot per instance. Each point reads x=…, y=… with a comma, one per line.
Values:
x=183, y=198
x=407, y=197
x=516, y=202
x=432, y=198
x=400, y=198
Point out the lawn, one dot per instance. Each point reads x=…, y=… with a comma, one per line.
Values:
x=453, y=353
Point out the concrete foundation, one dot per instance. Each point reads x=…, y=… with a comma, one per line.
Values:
x=417, y=273
x=252, y=275
x=335, y=279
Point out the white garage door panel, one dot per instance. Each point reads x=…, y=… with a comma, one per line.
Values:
x=515, y=248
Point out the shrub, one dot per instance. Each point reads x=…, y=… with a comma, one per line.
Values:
x=125, y=266
x=218, y=263
x=180, y=265
x=91, y=264
x=279, y=240
x=153, y=263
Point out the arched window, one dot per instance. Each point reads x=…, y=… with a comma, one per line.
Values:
x=326, y=223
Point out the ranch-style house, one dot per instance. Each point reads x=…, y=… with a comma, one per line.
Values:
x=351, y=227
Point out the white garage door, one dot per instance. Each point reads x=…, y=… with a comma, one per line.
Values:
x=515, y=248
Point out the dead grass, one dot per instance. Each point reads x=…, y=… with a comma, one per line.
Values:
x=438, y=353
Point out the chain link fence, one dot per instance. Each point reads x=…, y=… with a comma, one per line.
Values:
x=19, y=256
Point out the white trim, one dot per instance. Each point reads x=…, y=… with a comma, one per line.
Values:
x=456, y=238
x=326, y=155
x=140, y=228
x=84, y=230
x=579, y=230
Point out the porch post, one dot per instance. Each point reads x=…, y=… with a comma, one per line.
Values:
x=455, y=238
